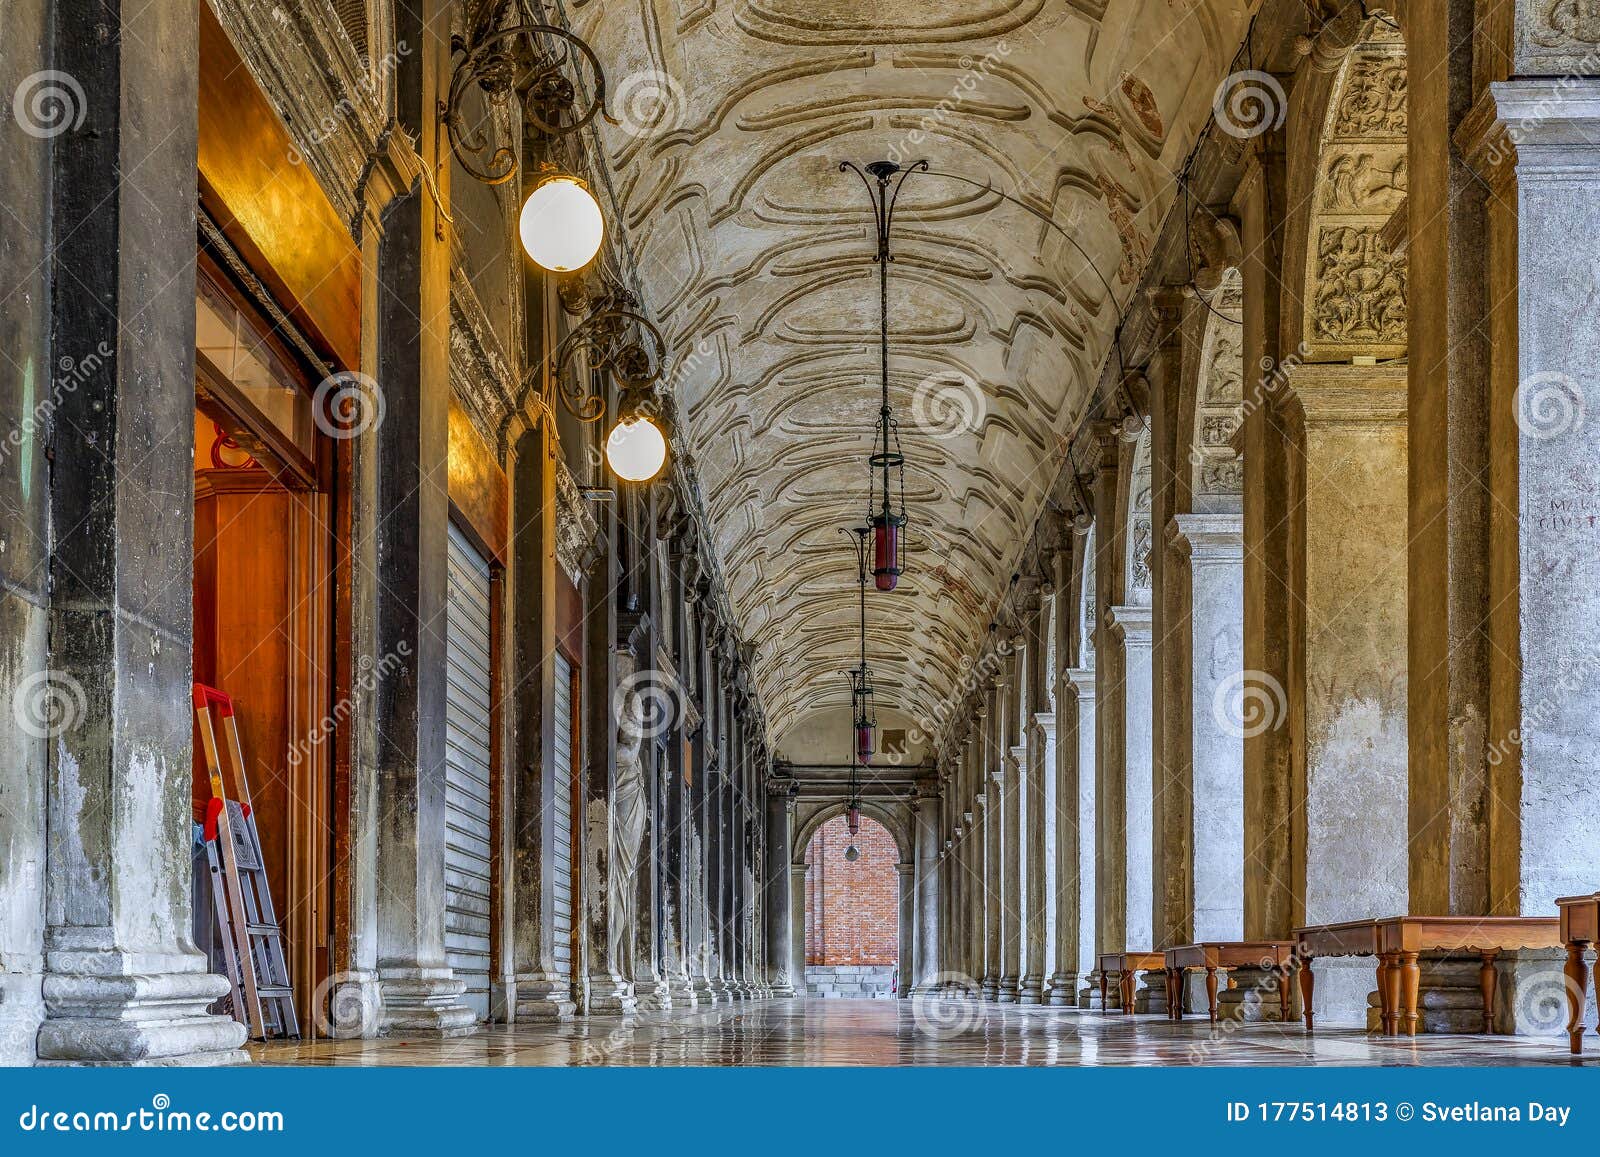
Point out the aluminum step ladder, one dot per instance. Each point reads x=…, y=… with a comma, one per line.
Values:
x=252, y=942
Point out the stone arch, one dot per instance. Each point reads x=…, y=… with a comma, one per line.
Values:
x=894, y=823
x=1348, y=172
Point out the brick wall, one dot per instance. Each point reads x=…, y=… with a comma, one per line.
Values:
x=852, y=909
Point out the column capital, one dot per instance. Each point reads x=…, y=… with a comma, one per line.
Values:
x=1339, y=393
x=1081, y=680
x=1130, y=624
x=1208, y=536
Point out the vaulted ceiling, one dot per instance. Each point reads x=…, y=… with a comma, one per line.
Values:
x=755, y=253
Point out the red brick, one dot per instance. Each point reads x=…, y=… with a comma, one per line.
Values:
x=852, y=909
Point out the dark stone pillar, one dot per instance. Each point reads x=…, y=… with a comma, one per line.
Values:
x=420, y=992
x=123, y=981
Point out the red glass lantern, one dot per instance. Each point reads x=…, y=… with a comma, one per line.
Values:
x=864, y=747
x=853, y=821
x=886, y=550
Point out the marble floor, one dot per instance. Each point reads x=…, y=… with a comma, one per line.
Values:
x=884, y=1032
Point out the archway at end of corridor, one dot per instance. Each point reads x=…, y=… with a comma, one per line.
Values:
x=852, y=911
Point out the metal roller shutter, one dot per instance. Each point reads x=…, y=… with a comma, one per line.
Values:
x=467, y=774
x=561, y=805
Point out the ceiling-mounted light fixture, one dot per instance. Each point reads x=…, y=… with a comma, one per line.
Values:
x=863, y=713
x=887, y=464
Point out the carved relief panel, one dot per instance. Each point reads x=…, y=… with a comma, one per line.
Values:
x=1355, y=300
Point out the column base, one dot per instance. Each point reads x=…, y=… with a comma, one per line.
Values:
x=652, y=995
x=1152, y=995
x=705, y=992
x=990, y=986
x=541, y=997
x=21, y=1012
x=782, y=988
x=1091, y=998
x=1064, y=990
x=1008, y=990
x=681, y=989
x=609, y=993
x=1251, y=995
x=423, y=1002
x=96, y=1016
x=1031, y=991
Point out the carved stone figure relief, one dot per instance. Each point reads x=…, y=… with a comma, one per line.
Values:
x=1355, y=299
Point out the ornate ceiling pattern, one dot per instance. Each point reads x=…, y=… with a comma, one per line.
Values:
x=755, y=253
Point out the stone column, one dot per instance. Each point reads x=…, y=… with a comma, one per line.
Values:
x=1216, y=706
x=419, y=990
x=797, y=926
x=536, y=991
x=1111, y=845
x=1037, y=722
x=1348, y=487
x=973, y=865
x=1083, y=686
x=1011, y=829
x=991, y=842
x=1131, y=701
x=779, y=919
x=1535, y=138
x=1271, y=905
x=109, y=717
x=925, y=816
x=906, y=871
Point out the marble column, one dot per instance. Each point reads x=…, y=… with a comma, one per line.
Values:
x=1011, y=695
x=926, y=818
x=420, y=992
x=1036, y=722
x=1130, y=633
x=797, y=925
x=1083, y=685
x=991, y=842
x=906, y=874
x=1272, y=906
x=1534, y=138
x=779, y=918
x=1213, y=699
x=1348, y=487
x=109, y=717
x=536, y=991
x=1111, y=832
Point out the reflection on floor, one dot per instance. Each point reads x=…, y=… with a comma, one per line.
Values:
x=902, y=1032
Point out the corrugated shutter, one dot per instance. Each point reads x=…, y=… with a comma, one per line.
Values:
x=467, y=773
x=561, y=805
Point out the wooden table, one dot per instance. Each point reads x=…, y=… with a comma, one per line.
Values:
x=1223, y=956
x=1127, y=964
x=1397, y=942
x=1580, y=930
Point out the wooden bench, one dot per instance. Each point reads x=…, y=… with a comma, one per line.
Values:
x=1223, y=956
x=1126, y=964
x=1579, y=931
x=1398, y=941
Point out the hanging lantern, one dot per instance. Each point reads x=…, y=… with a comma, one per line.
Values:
x=886, y=505
x=863, y=717
x=853, y=822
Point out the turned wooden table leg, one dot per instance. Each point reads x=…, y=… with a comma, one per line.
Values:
x=1308, y=987
x=1211, y=992
x=1486, y=983
x=1411, y=983
x=1174, y=994
x=1388, y=993
x=1577, y=986
x=1126, y=981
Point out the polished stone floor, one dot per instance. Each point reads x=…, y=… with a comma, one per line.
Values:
x=884, y=1032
